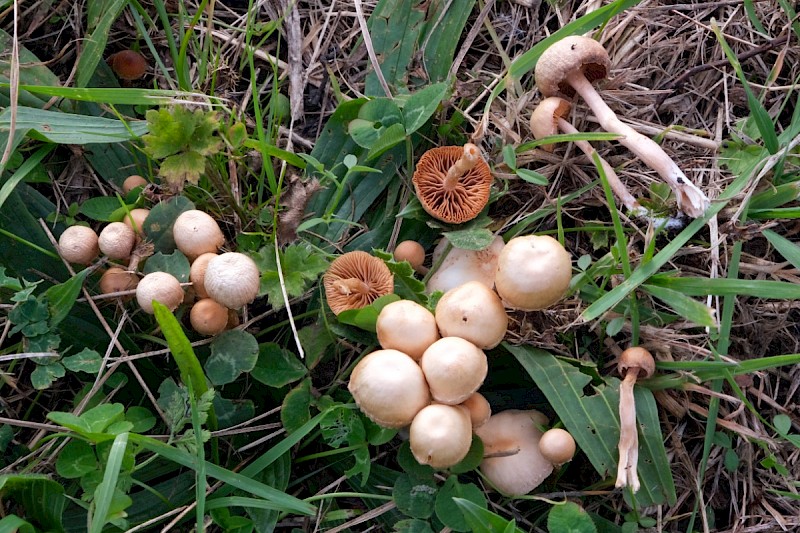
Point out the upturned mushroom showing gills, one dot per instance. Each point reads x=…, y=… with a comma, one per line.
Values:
x=460, y=266
x=634, y=363
x=570, y=66
x=548, y=118
x=355, y=280
x=453, y=183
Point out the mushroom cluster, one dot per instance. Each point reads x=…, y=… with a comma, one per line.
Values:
x=222, y=283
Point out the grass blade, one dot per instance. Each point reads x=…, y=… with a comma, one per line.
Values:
x=95, y=44
x=789, y=250
x=104, y=494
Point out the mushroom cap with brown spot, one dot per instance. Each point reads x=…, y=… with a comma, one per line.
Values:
x=355, y=280
x=128, y=64
x=570, y=54
x=637, y=357
x=465, y=200
x=544, y=119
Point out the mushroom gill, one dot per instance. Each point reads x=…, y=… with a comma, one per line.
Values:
x=355, y=280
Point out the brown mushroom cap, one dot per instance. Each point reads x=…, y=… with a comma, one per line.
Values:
x=197, y=233
x=465, y=198
x=355, y=280
x=136, y=217
x=78, y=244
x=197, y=273
x=568, y=55
x=410, y=251
x=117, y=279
x=639, y=358
x=544, y=119
x=128, y=64
x=208, y=317
x=131, y=182
x=479, y=409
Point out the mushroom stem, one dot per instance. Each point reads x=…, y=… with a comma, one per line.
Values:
x=628, y=436
x=690, y=198
x=617, y=186
x=464, y=164
x=351, y=285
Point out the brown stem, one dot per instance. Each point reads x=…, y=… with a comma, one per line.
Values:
x=464, y=164
x=691, y=199
x=628, y=436
x=351, y=285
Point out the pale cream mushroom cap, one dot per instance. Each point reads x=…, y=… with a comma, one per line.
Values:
x=512, y=460
x=410, y=251
x=461, y=266
x=197, y=273
x=208, y=317
x=440, y=435
x=570, y=54
x=232, y=279
x=389, y=388
x=161, y=287
x=196, y=233
x=544, y=119
x=533, y=272
x=479, y=409
x=406, y=326
x=79, y=245
x=454, y=368
x=116, y=241
x=473, y=312
x=557, y=446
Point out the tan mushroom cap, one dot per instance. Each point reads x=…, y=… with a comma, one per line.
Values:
x=544, y=119
x=637, y=357
x=128, y=64
x=410, y=251
x=79, y=244
x=460, y=201
x=568, y=55
x=440, y=435
x=133, y=181
x=355, y=280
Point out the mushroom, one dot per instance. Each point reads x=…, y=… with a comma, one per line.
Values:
x=232, y=279
x=161, y=287
x=460, y=266
x=389, y=387
x=135, y=220
x=557, y=446
x=473, y=312
x=570, y=66
x=512, y=461
x=635, y=362
x=116, y=241
x=440, y=435
x=453, y=183
x=454, y=368
x=533, y=272
x=208, y=317
x=128, y=65
x=196, y=233
x=355, y=280
x=79, y=245
x=131, y=182
x=117, y=279
x=548, y=118
x=414, y=253
x=197, y=273
x=406, y=326
x=479, y=409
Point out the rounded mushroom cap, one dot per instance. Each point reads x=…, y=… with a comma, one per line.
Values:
x=208, y=317
x=117, y=279
x=544, y=119
x=136, y=218
x=473, y=312
x=454, y=368
x=479, y=409
x=466, y=198
x=161, y=287
x=410, y=251
x=116, y=240
x=79, y=245
x=355, y=280
x=571, y=54
x=557, y=446
x=533, y=272
x=461, y=266
x=637, y=357
x=440, y=435
x=197, y=273
x=196, y=233
x=128, y=64
x=512, y=460
x=389, y=388
x=131, y=182
x=232, y=279
x=406, y=326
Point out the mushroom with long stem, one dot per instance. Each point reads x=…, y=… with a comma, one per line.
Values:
x=634, y=363
x=548, y=118
x=570, y=66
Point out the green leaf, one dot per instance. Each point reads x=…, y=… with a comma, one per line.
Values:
x=412, y=525
x=41, y=498
x=45, y=375
x=569, y=517
x=295, y=410
x=395, y=26
x=101, y=208
x=14, y=524
x=593, y=420
x=174, y=263
x=76, y=459
x=95, y=44
x=374, y=118
x=86, y=360
x=30, y=164
x=470, y=239
x=301, y=267
x=690, y=309
x=414, y=497
x=232, y=352
x=277, y=366
x=67, y=128
x=472, y=460
x=421, y=105
x=181, y=349
x=788, y=249
x=158, y=225
x=60, y=298
x=782, y=423
x=388, y=139
x=480, y=519
x=105, y=491
x=181, y=168
x=366, y=317
x=98, y=419
x=406, y=285
x=449, y=512
x=531, y=176
x=778, y=290
x=170, y=131
x=141, y=418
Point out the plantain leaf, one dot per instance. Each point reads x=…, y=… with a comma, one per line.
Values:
x=685, y=306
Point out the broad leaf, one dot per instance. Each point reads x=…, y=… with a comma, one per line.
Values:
x=232, y=353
